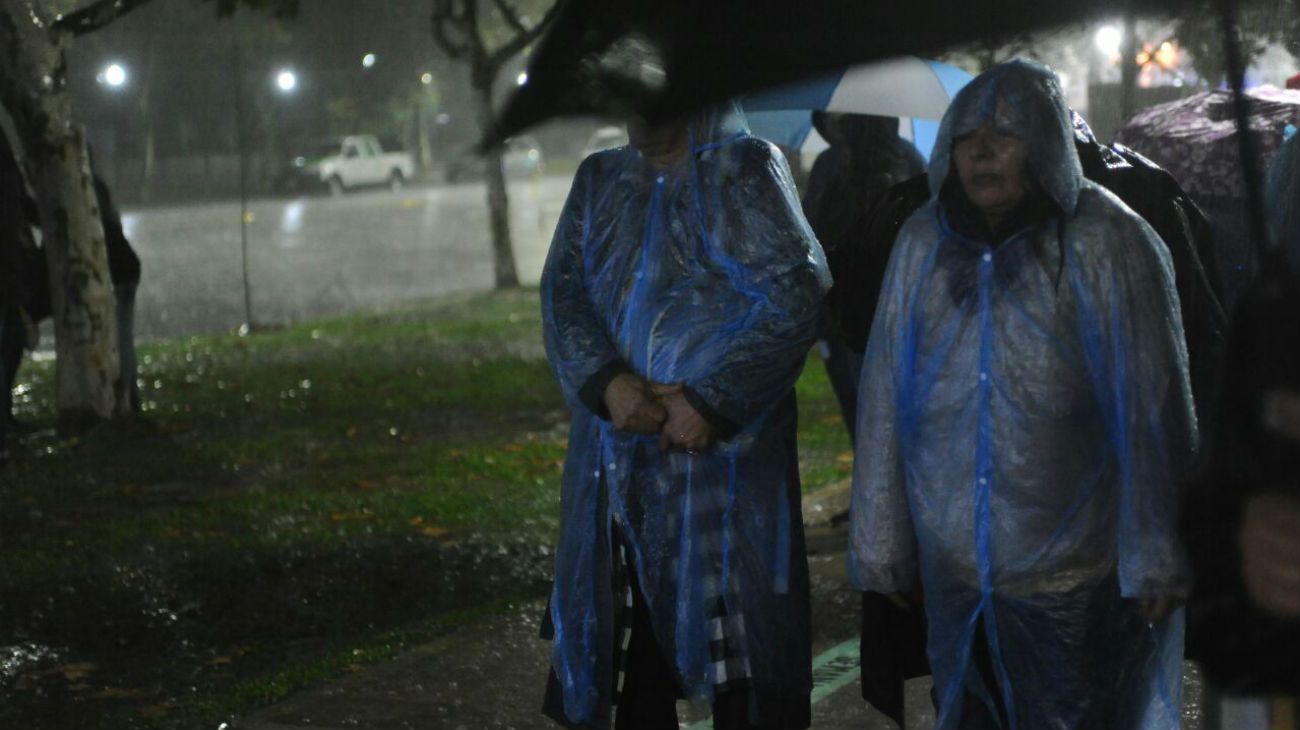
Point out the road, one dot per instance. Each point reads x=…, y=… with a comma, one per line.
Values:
x=319, y=256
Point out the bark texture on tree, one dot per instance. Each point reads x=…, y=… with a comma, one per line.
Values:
x=33, y=91
x=1128, y=69
x=503, y=254
x=457, y=32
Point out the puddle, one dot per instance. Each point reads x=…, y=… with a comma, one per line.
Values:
x=20, y=658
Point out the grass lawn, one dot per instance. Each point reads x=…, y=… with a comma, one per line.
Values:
x=291, y=506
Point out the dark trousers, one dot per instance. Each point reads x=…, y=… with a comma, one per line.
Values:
x=843, y=368
x=650, y=691
x=976, y=714
x=13, y=338
x=125, y=295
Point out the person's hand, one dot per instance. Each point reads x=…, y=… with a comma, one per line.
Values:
x=632, y=407
x=899, y=600
x=1157, y=608
x=908, y=600
x=1281, y=413
x=685, y=427
x=1270, y=553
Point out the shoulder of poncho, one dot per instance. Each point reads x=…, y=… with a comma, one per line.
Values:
x=920, y=233
x=1103, y=225
x=599, y=163
x=747, y=150
x=1100, y=210
x=922, y=226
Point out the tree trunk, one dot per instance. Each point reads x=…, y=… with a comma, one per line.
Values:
x=503, y=256
x=1128, y=69
x=149, y=176
x=33, y=90
x=149, y=179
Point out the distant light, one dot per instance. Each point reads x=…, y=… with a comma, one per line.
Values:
x=426, y=79
x=522, y=78
x=286, y=81
x=368, y=60
x=1108, y=40
x=114, y=75
x=1167, y=55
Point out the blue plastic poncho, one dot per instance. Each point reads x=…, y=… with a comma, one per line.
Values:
x=1024, y=412
x=708, y=275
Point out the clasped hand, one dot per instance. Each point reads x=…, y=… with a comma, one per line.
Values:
x=639, y=406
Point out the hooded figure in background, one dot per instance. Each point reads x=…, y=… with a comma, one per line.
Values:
x=696, y=281
x=865, y=157
x=1025, y=410
x=1243, y=521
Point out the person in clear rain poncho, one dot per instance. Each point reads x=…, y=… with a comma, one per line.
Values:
x=1025, y=409
x=680, y=299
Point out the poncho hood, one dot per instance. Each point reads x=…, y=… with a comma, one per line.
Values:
x=1023, y=99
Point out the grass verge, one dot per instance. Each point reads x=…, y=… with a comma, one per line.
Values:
x=291, y=506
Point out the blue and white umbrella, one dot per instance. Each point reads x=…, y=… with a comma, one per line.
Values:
x=915, y=90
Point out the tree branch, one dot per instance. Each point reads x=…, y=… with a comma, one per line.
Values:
x=95, y=16
x=509, y=15
x=522, y=40
x=445, y=18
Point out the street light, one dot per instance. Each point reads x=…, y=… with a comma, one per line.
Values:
x=1108, y=40
x=113, y=75
x=522, y=78
x=426, y=78
x=368, y=60
x=286, y=81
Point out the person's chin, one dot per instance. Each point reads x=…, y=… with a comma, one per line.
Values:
x=991, y=202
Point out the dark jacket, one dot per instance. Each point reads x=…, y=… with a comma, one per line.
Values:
x=866, y=158
x=123, y=264
x=1241, y=648
x=22, y=266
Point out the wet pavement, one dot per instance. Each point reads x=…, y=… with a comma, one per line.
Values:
x=491, y=674
x=319, y=256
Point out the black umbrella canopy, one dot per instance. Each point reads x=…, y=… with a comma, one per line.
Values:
x=653, y=58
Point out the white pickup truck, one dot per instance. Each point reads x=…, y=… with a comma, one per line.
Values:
x=354, y=162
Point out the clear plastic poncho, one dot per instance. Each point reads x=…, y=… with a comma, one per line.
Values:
x=708, y=275
x=1024, y=412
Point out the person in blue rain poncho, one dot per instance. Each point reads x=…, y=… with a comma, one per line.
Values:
x=680, y=299
x=1025, y=410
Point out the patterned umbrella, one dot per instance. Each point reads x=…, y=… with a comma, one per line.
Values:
x=1195, y=138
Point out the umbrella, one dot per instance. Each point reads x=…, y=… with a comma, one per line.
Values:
x=915, y=90
x=1196, y=138
x=652, y=58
